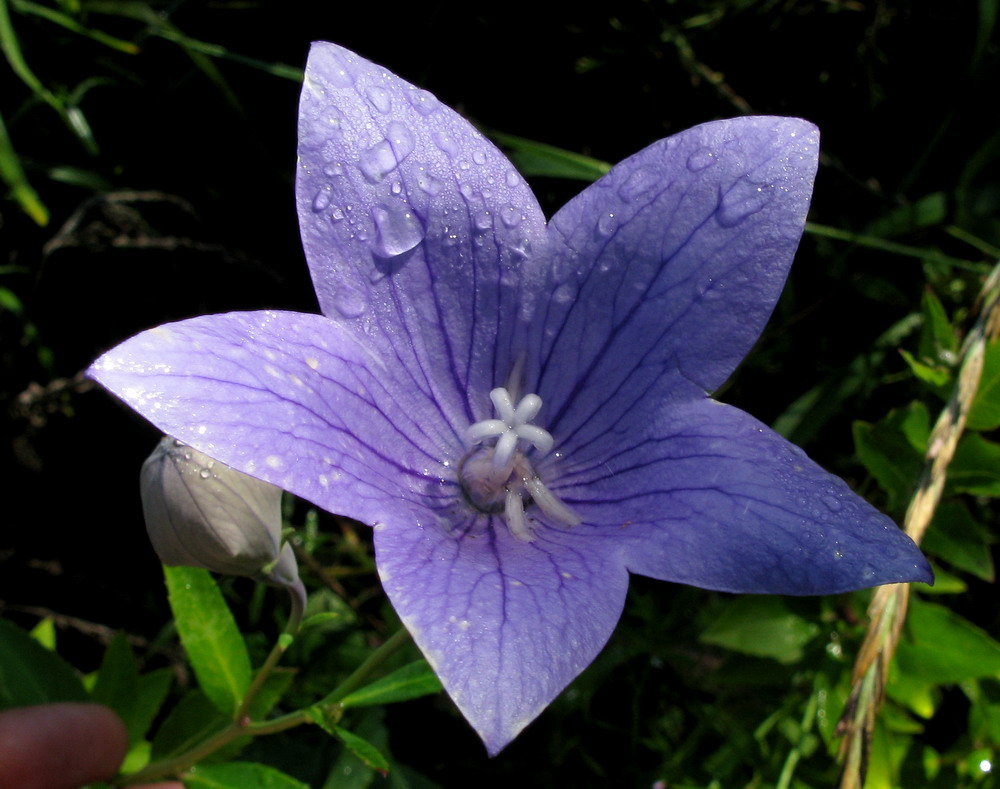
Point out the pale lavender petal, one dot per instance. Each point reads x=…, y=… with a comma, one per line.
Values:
x=421, y=237
x=292, y=399
x=706, y=495
x=506, y=624
x=669, y=264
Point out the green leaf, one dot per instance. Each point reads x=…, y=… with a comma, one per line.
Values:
x=892, y=450
x=985, y=411
x=117, y=685
x=31, y=674
x=976, y=467
x=363, y=749
x=935, y=376
x=929, y=211
x=150, y=695
x=193, y=719
x=208, y=631
x=45, y=633
x=410, y=682
x=240, y=775
x=538, y=159
x=760, y=626
x=938, y=341
x=956, y=537
x=943, y=647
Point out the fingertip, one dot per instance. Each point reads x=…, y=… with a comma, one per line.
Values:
x=60, y=746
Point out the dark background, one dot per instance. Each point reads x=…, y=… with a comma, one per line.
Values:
x=187, y=208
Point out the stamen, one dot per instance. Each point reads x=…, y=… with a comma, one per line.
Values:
x=549, y=503
x=514, y=512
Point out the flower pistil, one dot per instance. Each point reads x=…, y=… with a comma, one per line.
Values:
x=500, y=478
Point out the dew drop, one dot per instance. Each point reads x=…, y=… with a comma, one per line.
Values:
x=832, y=503
x=429, y=183
x=335, y=70
x=606, y=225
x=380, y=99
x=204, y=473
x=401, y=139
x=350, y=302
x=510, y=216
x=638, y=183
x=479, y=157
x=337, y=215
x=701, y=159
x=397, y=187
x=398, y=228
x=321, y=201
x=482, y=221
x=446, y=143
x=564, y=293
x=513, y=179
x=335, y=168
x=423, y=101
x=744, y=200
x=867, y=572
x=377, y=162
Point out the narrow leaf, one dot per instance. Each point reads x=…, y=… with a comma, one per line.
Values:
x=208, y=631
x=363, y=749
x=117, y=684
x=410, y=682
x=240, y=775
x=31, y=674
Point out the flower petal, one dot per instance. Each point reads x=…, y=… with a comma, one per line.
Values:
x=420, y=235
x=506, y=624
x=292, y=399
x=706, y=495
x=672, y=261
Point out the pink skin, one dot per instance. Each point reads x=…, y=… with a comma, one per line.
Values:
x=62, y=746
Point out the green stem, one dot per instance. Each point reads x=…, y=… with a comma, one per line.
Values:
x=242, y=727
x=874, y=242
x=297, y=595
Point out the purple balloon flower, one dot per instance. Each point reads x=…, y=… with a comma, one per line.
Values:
x=518, y=407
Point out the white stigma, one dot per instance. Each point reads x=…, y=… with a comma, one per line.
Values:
x=500, y=478
x=512, y=426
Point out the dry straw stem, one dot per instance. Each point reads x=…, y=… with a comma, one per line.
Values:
x=888, y=607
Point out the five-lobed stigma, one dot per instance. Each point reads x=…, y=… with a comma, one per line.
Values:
x=500, y=478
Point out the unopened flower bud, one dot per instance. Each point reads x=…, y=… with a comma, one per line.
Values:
x=202, y=513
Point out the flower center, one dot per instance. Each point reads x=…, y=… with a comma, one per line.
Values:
x=500, y=478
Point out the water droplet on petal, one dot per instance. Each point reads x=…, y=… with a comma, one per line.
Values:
x=401, y=139
x=482, y=221
x=337, y=215
x=423, y=101
x=397, y=187
x=743, y=200
x=380, y=99
x=701, y=159
x=333, y=169
x=377, y=162
x=321, y=201
x=832, y=503
x=350, y=302
x=429, y=183
x=398, y=228
x=204, y=473
x=510, y=216
x=513, y=179
x=867, y=572
x=563, y=294
x=479, y=157
x=446, y=143
x=638, y=183
x=606, y=225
